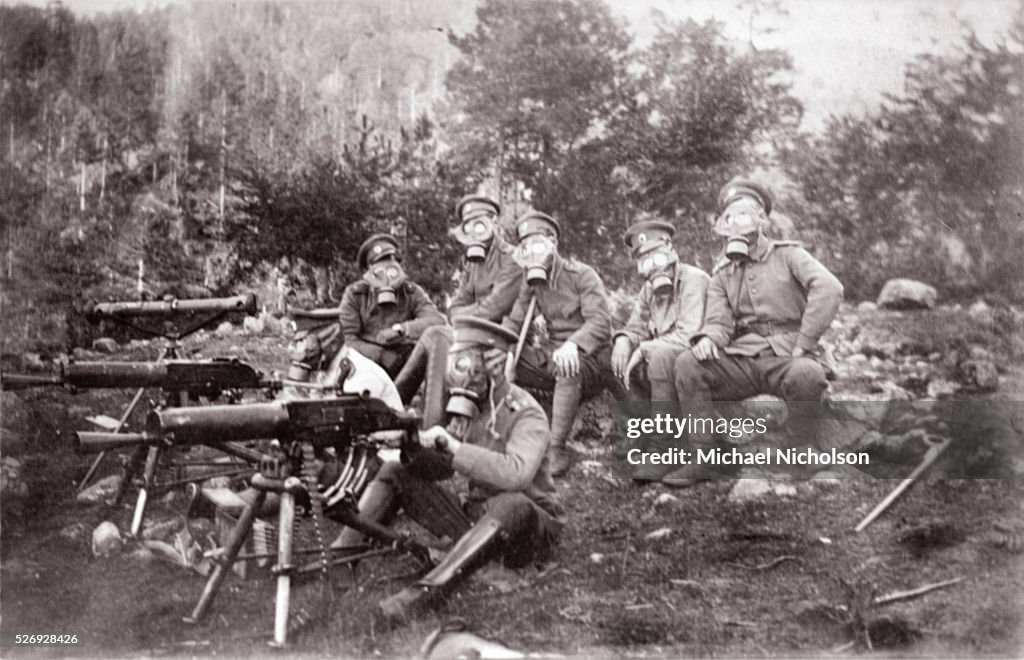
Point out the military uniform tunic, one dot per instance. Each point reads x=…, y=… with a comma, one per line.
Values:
x=662, y=326
x=488, y=288
x=758, y=312
x=361, y=318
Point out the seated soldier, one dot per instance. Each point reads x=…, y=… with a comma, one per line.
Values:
x=574, y=363
x=669, y=310
x=768, y=304
x=498, y=438
x=383, y=314
x=489, y=285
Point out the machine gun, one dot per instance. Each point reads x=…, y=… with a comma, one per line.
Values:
x=192, y=315
x=208, y=378
x=303, y=428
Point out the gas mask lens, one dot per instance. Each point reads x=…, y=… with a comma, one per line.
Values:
x=533, y=251
x=475, y=234
x=654, y=261
x=385, y=276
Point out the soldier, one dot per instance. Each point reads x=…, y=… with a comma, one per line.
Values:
x=383, y=314
x=574, y=363
x=768, y=304
x=488, y=288
x=668, y=312
x=498, y=439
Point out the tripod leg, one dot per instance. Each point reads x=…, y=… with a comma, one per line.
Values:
x=223, y=567
x=285, y=527
x=147, y=483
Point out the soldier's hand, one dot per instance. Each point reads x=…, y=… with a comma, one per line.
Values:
x=567, y=360
x=620, y=356
x=437, y=437
x=636, y=358
x=388, y=336
x=705, y=349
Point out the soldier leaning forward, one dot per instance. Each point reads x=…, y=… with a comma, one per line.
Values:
x=498, y=438
x=665, y=316
x=383, y=314
x=575, y=362
x=489, y=285
x=768, y=305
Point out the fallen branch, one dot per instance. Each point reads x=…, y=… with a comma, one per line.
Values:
x=768, y=565
x=914, y=593
x=933, y=453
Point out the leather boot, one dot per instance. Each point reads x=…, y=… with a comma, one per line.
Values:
x=471, y=551
x=564, y=406
x=408, y=380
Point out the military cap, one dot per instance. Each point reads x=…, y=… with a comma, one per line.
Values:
x=646, y=235
x=475, y=330
x=744, y=188
x=374, y=248
x=472, y=206
x=534, y=222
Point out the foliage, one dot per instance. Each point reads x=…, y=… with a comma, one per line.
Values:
x=929, y=186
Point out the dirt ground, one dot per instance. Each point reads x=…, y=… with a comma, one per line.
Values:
x=776, y=576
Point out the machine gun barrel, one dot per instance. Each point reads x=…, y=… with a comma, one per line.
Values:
x=197, y=376
x=242, y=303
x=321, y=421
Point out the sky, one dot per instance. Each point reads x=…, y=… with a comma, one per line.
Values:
x=846, y=53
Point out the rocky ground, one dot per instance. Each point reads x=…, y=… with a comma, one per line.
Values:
x=723, y=569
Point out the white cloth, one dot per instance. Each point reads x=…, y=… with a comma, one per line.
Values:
x=367, y=377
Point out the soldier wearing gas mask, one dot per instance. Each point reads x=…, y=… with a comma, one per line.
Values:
x=497, y=436
x=768, y=304
x=666, y=314
x=490, y=283
x=383, y=313
x=574, y=361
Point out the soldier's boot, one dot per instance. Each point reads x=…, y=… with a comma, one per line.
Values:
x=471, y=551
x=565, y=404
x=648, y=472
x=690, y=475
x=408, y=380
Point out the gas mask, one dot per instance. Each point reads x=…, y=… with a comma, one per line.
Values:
x=468, y=382
x=385, y=277
x=657, y=266
x=304, y=354
x=740, y=223
x=476, y=233
x=533, y=254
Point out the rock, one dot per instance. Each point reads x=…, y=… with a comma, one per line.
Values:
x=979, y=375
x=596, y=558
x=100, y=491
x=224, y=328
x=106, y=345
x=32, y=362
x=904, y=293
x=665, y=499
x=75, y=533
x=106, y=540
x=977, y=352
x=754, y=489
x=659, y=534
x=942, y=389
x=980, y=311
x=867, y=307
x=828, y=479
x=857, y=360
x=892, y=391
x=11, y=482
